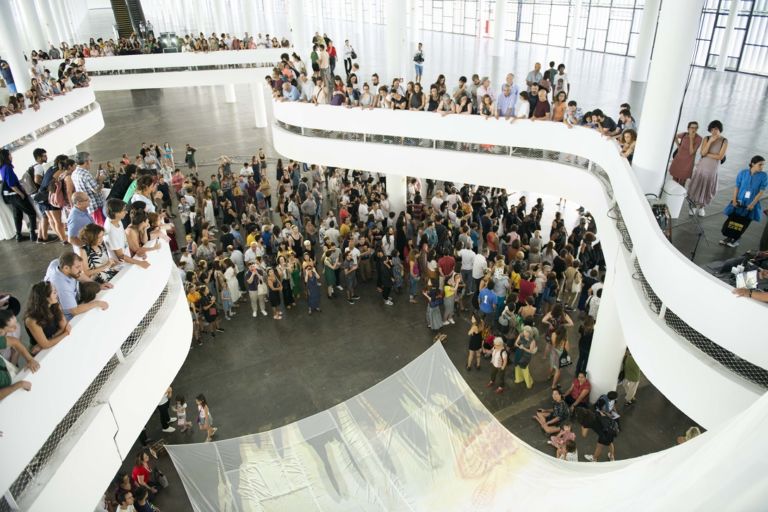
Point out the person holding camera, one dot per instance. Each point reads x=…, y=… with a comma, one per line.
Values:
x=418, y=60
x=745, y=203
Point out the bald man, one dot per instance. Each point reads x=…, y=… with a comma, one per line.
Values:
x=78, y=219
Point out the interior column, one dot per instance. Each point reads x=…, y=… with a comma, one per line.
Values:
x=11, y=41
x=259, y=106
x=397, y=34
x=608, y=344
x=645, y=41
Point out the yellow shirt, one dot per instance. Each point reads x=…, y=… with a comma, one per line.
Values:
x=251, y=238
x=448, y=291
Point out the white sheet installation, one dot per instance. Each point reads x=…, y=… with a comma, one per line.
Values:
x=421, y=440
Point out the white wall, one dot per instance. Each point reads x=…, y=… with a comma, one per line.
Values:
x=99, y=4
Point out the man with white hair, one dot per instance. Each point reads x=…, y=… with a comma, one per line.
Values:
x=85, y=182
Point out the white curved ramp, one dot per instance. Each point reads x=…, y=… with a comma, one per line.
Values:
x=421, y=441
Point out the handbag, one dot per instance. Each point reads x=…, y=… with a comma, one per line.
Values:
x=735, y=224
x=354, y=54
x=565, y=359
x=576, y=286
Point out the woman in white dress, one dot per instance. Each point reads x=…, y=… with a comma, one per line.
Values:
x=210, y=218
x=231, y=276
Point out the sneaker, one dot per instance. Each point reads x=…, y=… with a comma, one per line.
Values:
x=499, y=391
x=691, y=211
x=219, y=330
x=169, y=429
x=724, y=241
x=173, y=419
x=350, y=301
x=263, y=313
x=733, y=243
x=589, y=458
x=22, y=238
x=489, y=385
x=701, y=212
x=355, y=297
x=339, y=287
x=254, y=315
x=389, y=303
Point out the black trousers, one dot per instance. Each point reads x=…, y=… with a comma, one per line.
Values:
x=20, y=207
x=165, y=417
x=385, y=292
x=348, y=66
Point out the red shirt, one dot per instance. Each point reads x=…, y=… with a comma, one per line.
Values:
x=447, y=265
x=140, y=471
x=527, y=288
x=579, y=387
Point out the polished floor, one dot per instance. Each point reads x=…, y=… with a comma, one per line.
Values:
x=261, y=374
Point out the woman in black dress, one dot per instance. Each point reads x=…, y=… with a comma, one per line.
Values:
x=275, y=287
x=475, y=342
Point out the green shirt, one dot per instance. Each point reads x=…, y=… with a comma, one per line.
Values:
x=631, y=370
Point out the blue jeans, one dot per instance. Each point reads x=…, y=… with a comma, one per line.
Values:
x=419, y=69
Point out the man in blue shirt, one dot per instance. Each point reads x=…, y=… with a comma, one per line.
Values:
x=290, y=92
x=487, y=301
x=505, y=104
x=15, y=197
x=65, y=274
x=78, y=218
x=5, y=71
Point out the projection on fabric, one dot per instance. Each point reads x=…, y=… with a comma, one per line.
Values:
x=415, y=441
x=421, y=441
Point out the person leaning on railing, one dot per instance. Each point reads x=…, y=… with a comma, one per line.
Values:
x=8, y=325
x=752, y=293
x=66, y=275
x=44, y=319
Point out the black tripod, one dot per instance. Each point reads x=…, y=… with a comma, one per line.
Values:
x=699, y=229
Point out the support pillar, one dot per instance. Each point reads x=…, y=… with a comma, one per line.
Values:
x=60, y=16
x=645, y=41
x=259, y=106
x=47, y=23
x=32, y=25
x=728, y=36
x=675, y=39
x=11, y=41
x=251, y=18
x=574, y=26
x=499, y=25
x=397, y=192
x=298, y=34
x=229, y=93
x=397, y=34
x=608, y=345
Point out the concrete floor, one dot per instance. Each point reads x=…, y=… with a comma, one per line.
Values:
x=262, y=374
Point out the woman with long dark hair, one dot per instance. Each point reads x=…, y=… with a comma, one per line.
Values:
x=43, y=318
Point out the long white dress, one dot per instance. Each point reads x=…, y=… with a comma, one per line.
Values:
x=210, y=218
x=234, y=287
x=7, y=227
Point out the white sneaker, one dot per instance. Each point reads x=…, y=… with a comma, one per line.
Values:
x=339, y=287
x=173, y=418
x=389, y=303
x=733, y=243
x=263, y=312
x=589, y=458
x=702, y=213
x=169, y=430
x=691, y=211
x=254, y=315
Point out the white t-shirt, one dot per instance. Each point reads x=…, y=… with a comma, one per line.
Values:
x=467, y=259
x=150, y=208
x=522, y=109
x=479, y=264
x=39, y=170
x=115, y=239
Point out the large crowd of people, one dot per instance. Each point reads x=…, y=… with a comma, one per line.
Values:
x=45, y=85
x=279, y=239
x=146, y=42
